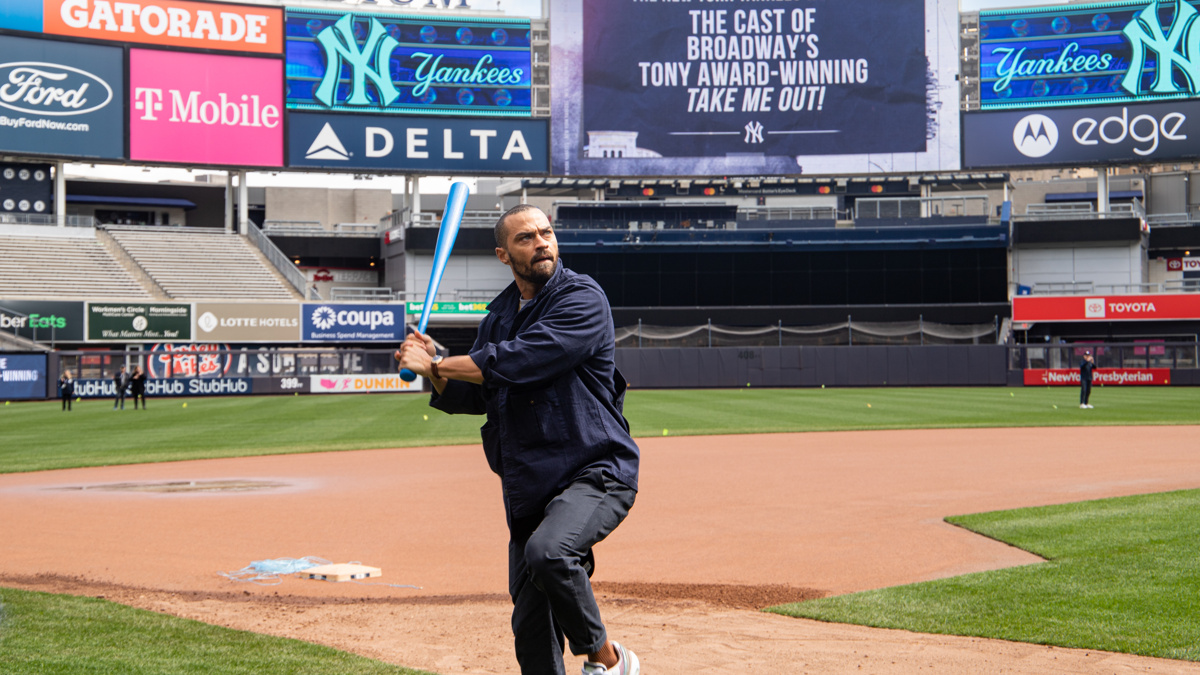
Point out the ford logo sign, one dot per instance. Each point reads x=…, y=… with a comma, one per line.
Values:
x=51, y=89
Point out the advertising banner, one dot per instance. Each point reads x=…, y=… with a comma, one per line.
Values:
x=1087, y=54
x=247, y=322
x=449, y=308
x=363, y=384
x=173, y=23
x=205, y=109
x=339, y=322
x=280, y=385
x=1183, y=264
x=138, y=322
x=425, y=144
x=1149, y=132
x=1161, y=307
x=22, y=376
x=415, y=64
x=228, y=386
x=1109, y=377
x=59, y=98
x=771, y=87
x=43, y=320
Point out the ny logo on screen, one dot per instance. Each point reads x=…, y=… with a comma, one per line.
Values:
x=369, y=62
x=754, y=133
x=1179, y=48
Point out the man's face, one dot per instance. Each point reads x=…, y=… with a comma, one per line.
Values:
x=531, y=249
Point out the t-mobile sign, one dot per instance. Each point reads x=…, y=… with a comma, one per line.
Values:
x=205, y=109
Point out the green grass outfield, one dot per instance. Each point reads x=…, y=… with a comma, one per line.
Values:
x=1122, y=576
x=38, y=436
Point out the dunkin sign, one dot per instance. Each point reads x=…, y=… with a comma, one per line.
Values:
x=205, y=109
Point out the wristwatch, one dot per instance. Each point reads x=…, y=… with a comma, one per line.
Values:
x=433, y=364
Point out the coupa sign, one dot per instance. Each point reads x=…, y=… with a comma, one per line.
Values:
x=58, y=98
x=404, y=64
x=336, y=322
x=1081, y=54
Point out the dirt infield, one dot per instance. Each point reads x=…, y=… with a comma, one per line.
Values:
x=723, y=525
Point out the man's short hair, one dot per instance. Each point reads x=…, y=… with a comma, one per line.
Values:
x=501, y=239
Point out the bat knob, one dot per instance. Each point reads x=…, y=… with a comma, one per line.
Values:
x=407, y=375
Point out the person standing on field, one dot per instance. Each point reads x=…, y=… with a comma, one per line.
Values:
x=542, y=369
x=1085, y=379
x=120, y=380
x=66, y=389
x=137, y=387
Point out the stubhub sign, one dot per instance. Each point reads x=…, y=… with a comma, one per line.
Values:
x=426, y=144
x=338, y=322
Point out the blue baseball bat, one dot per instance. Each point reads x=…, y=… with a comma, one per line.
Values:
x=456, y=202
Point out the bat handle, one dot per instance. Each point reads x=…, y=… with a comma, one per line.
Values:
x=407, y=375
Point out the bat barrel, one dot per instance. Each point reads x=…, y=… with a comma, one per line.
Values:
x=456, y=203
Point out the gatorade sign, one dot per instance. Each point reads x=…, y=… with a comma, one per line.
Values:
x=175, y=23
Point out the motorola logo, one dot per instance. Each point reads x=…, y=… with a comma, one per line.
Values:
x=1035, y=135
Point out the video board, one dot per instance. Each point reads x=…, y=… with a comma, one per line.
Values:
x=414, y=64
x=762, y=88
x=61, y=98
x=1108, y=53
x=206, y=109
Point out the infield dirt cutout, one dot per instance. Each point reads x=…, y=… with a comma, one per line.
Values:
x=722, y=526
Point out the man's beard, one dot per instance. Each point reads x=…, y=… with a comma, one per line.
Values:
x=535, y=275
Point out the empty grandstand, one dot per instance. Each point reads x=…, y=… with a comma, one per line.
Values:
x=45, y=262
x=198, y=263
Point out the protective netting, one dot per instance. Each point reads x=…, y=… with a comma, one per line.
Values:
x=848, y=332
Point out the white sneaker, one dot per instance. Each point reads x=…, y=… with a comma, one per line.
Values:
x=1090, y=406
x=1083, y=405
x=627, y=664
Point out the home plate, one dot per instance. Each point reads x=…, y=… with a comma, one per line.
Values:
x=342, y=572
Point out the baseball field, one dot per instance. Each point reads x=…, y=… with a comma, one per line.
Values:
x=888, y=530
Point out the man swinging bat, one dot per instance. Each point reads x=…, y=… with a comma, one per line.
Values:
x=542, y=369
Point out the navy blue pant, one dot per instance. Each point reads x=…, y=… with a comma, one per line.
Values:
x=549, y=565
x=1085, y=392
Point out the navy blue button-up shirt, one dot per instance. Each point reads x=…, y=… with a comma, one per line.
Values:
x=551, y=392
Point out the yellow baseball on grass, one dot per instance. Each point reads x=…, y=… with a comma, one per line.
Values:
x=185, y=405
x=1056, y=407
x=426, y=417
x=664, y=432
x=868, y=405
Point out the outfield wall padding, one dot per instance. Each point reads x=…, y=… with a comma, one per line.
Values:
x=833, y=366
